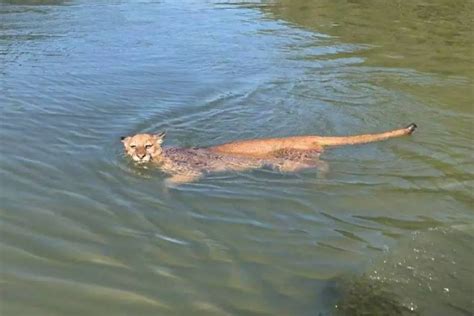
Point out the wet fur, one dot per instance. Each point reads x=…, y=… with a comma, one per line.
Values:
x=287, y=154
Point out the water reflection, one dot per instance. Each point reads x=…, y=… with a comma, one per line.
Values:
x=79, y=222
x=433, y=36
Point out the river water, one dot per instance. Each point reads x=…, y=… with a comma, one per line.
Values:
x=389, y=228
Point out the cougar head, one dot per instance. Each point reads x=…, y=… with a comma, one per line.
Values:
x=143, y=148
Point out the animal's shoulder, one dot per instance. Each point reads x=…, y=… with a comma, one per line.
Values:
x=191, y=157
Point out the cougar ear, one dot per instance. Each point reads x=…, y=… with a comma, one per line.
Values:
x=124, y=139
x=160, y=136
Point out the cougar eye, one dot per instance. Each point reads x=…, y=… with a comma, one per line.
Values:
x=133, y=146
x=148, y=146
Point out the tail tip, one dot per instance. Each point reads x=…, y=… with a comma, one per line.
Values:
x=411, y=128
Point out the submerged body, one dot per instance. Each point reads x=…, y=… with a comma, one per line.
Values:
x=188, y=164
x=286, y=154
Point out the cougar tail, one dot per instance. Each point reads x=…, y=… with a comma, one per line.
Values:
x=366, y=138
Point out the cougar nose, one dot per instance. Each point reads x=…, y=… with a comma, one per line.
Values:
x=141, y=155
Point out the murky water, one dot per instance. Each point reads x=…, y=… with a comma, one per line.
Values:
x=84, y=232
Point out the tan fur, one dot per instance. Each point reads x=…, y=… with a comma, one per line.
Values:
x=286, y=154
x=267, y=146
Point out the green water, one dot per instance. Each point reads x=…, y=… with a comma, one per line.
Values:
x=388, y=229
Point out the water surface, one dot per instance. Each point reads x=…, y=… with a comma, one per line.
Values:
x=85, y=232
